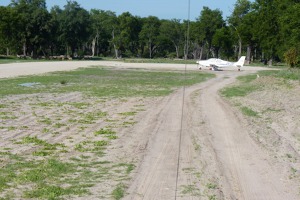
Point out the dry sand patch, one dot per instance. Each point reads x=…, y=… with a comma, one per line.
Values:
x=72, y=128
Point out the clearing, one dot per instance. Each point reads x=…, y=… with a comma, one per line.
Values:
x=132, y=131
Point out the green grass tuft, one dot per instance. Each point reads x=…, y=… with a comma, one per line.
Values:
x=238, y=91
x=249, y=112
x=119, y=192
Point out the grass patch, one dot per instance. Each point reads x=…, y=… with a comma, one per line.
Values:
x=191, y=190
x=238, y=91
x=90, y=117
x=211, y=186
x=271, y=110
x=110, y=134
x=104, y=82
x=89, y=146
x=249, y=112
x=23, y=172
x=245, y=85
x=48, y=149
x=128, y=113
x=287, y=74
x=45, y=120
x=55, y=179
x=53, y=192
x=118, y=192
x=247, y=79
x=129, y=167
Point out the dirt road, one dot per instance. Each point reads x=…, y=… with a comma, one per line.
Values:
x=210, y=156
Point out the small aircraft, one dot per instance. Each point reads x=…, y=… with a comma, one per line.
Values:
x=216, y=63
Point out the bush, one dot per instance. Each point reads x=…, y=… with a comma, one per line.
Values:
x=292, y=57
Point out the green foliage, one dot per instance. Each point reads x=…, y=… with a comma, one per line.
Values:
x=209, y=22
x=223, y=40
x=118, y=192
x=52, y=192
x=103, y=24
x=149, y=34
x=292, y=57
x=270, y=28
x=247, y=79
x=290, y=74
x=238, y=91
x=173, y=32
x=211, y=186
x=105, y=132
x=74, y=23
x=249, y=112
x=191, y=190
x=50, y=178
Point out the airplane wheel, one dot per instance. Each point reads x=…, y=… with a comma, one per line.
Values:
x=239, y=69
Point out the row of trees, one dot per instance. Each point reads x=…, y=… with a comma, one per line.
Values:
x=264, y=29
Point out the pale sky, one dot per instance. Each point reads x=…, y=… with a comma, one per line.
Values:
x=163, y=9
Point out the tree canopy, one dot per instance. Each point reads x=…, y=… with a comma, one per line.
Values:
x=262, y=30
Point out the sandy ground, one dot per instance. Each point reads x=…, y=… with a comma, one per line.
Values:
x=19, y=69
x=192, y=144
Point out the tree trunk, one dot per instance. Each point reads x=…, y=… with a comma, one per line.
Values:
x=150, y=51
x=270, y=63
x=150, y=48
x=67, y=50
x=7, y=51
x=115, y=46
x=24, y=48
x=177, y=51
x=240, y=47
x=201, y=53
x=116, y=51
x=93, y=47
x=248, y=58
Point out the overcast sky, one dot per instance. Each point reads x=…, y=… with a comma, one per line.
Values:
x=163, y=9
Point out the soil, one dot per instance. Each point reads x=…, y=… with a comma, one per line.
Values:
x=192, y=144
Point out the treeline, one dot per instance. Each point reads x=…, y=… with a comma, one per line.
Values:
x=264, y=29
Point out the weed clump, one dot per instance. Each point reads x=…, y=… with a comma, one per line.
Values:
x=63, y=82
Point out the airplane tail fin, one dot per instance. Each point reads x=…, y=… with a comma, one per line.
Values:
x=240, y=62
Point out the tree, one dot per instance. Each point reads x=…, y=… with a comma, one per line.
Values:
x=222, y=42
x=74, y=26
x=103, y=24
x=209, y=22
x=130, y=28
x=8, y=31
x=267, y=28
x=150, y=33
x=56, y=44
x=172, y=30
x=289, y=25
x=237, y=19
x=33, y=24
x=197, y=38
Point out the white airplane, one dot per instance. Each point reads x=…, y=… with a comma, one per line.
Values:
x=216, y=63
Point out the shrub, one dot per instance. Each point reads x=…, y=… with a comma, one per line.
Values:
x=292, y=57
